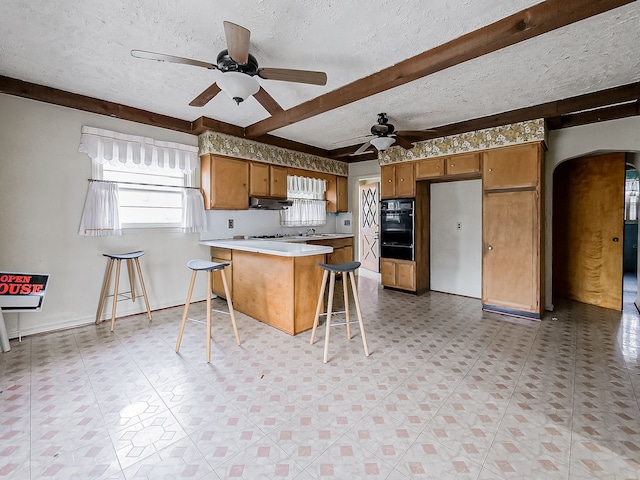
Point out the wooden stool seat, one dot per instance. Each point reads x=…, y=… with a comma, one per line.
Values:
x=116, y=258
x=347, y=268
x=198, y=265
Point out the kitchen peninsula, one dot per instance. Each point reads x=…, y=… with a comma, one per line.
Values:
x=276, y=282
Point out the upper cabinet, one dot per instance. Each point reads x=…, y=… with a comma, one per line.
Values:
x=267, y=181
x=431, y=168
x=343, y=199
x=466, y=165
x=224, y=182
x=511, y=167
x=398, y=181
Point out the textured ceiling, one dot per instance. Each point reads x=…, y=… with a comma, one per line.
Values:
x=84, y=47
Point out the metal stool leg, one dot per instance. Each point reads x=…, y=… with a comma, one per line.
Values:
x=357, y=301
x=332, y=284
x=316, y=319
x=115, y=295
x=105, y=288
x=186, y=310
x=144, y=290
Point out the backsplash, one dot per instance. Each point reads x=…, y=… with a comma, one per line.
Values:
x=263, y=222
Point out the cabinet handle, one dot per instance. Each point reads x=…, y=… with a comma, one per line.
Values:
x=402, y=179
x=489, y=247
x=491, y=169
x=389, y=181
x=453, y=164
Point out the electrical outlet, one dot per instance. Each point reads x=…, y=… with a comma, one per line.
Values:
x=459, y=226
x=230, y=221
x=347, y=223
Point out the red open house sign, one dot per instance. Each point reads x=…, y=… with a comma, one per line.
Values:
x=22, y=291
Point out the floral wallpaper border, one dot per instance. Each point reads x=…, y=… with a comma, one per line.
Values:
x=515, y=133
x=224, y=144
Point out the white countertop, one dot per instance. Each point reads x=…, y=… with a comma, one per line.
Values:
x=268, y=247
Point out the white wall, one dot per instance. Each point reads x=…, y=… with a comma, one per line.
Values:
x=43, y=183
x=456, y=254
x=621, y=135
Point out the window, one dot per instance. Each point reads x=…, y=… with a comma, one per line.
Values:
x=151, y=176
x=309, y=206
x=631, y=196
x=147, y=194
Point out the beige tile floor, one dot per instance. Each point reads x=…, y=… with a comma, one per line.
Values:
x=448, y=392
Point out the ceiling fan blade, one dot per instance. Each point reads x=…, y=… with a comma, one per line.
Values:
x=414, y=133
x=403, y=142
x=363, y=148
x=297, y=76
x=161, y=57
x=267, y=101
x=206, y=96
x=237, y=42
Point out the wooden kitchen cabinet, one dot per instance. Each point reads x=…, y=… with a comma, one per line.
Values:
x=517, y=166
x=267, y=181
x=513, y=241
x=342, y=249
x=431, y=168
x=464, y=164
x=398, y=274
x=222, y=255
x=398, y=181
x=342, y=195
x=224, y=182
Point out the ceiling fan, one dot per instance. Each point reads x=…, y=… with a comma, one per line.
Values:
x=238, y=68
x=385, y=135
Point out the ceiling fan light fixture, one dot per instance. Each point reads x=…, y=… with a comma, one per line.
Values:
x=382, y=143
x=239, y=86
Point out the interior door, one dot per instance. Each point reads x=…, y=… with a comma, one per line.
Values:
x=369, y=227
x=588, y=227
x=510, y=261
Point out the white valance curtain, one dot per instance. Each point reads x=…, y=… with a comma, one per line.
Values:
x=193, y=216
x=309, y=207
x=106, y=146
x=101, y=216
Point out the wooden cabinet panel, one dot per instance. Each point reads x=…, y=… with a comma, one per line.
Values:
x=463, y=164
x=342, y=249
x=388, y=181
x=343, y=198
x=430, y=168
x=517, y=166
x=258, y=179
x=398, y=181
x=277, y=181
x=224, y=182
x=510, y=259
x=405, y=180
x=267, y=181
x=398, y=274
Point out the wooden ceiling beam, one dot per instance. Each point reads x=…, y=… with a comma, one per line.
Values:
x=19, y=88
x=526, y=24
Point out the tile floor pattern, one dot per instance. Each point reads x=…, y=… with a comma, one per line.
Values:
x=448, y=392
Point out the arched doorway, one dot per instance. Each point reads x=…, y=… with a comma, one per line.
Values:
x=589, y=229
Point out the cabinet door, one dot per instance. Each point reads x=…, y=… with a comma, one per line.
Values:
x=511, y=255
x=463, y=164
x=259, y=180
x=517, y=166
x=387, y=272
x=430, y=168
x=225, y=182
x=406, y=275
x=387, y=181
x=405, y=180
x=343, y=199
x=331, y=194
x=277, y=181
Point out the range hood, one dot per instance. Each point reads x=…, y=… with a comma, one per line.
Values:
x=269, y=203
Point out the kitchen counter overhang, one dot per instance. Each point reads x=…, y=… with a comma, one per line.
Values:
x=279, y=248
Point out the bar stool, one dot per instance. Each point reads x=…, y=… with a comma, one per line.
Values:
x=209, y=267
x=344, y=268
x=116, y=258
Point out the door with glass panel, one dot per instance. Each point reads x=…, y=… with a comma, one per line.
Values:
x=369, y=227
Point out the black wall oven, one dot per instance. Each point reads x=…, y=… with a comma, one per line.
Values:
x=397, y=229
